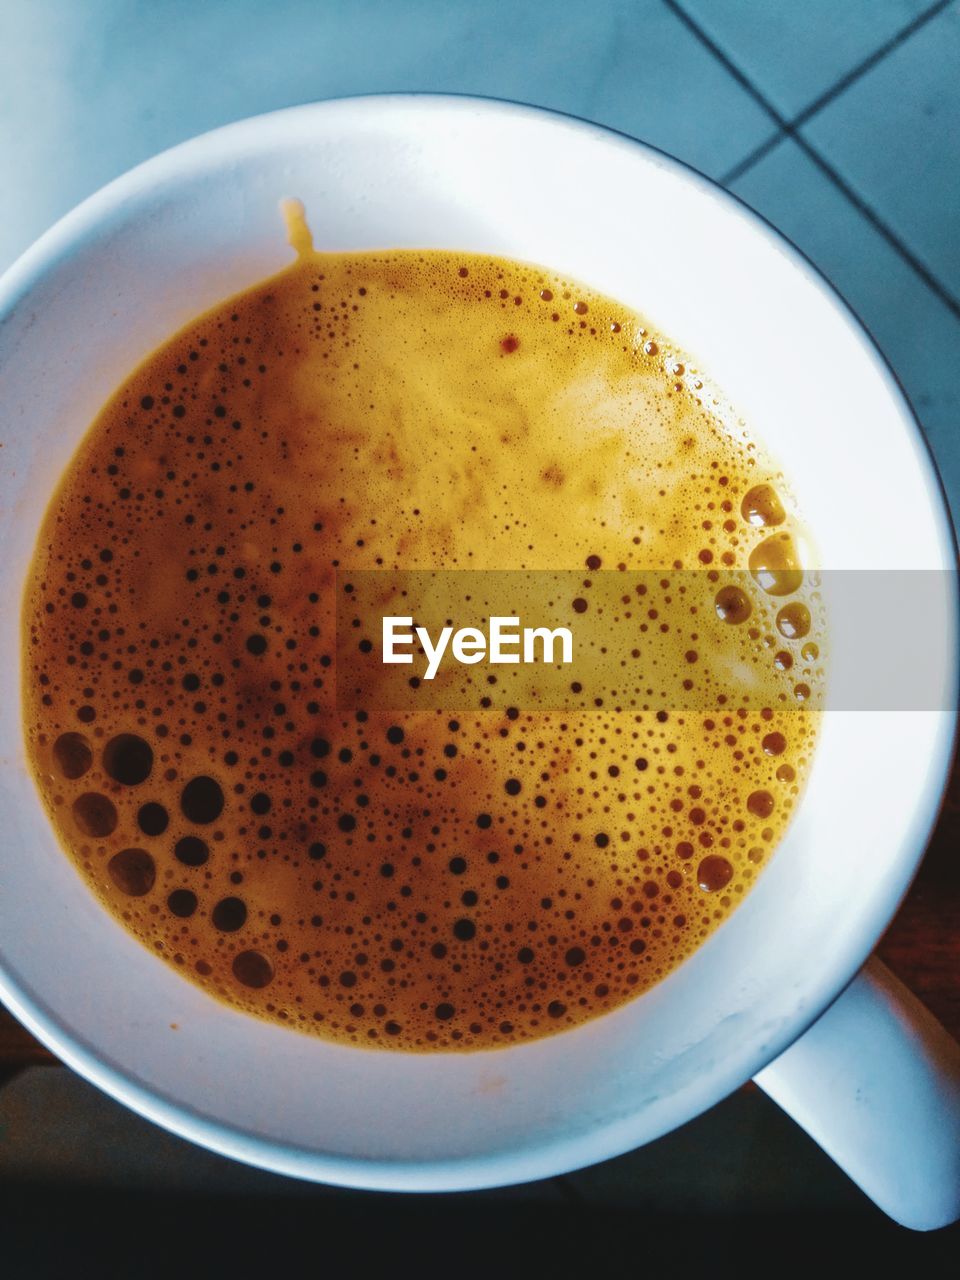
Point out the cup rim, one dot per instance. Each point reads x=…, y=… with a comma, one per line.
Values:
x=473, y=1172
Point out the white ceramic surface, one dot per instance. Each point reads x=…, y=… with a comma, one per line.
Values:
x=876, y=1081
x=131, y=265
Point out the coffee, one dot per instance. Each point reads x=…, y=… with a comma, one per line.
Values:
x=422, y=880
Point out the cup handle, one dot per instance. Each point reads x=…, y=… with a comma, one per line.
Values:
x=876, y=1082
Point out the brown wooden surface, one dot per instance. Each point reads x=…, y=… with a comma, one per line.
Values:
x=922, y=945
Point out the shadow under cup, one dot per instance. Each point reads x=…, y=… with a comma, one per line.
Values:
x=118, y=276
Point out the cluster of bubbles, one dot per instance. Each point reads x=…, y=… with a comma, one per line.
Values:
x=435, y=880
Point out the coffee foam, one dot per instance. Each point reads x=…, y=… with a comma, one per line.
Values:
x=429, y=880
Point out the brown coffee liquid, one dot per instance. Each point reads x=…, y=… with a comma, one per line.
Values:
x=433, y=881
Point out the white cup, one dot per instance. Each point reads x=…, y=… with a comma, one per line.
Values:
x=874, y=1079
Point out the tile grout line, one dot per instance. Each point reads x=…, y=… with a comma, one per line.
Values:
x=741, y=78
x=891, y=237
x=753, y=157
x=789, y=127
x=785, y=129
x=869, y=63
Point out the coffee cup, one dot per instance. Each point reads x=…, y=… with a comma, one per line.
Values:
x=785, y=990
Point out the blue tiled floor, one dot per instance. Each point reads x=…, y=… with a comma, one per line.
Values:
x=916, y=329
x=907, y=109
x=88, y=90
x=795, y=53
x=840, y=122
